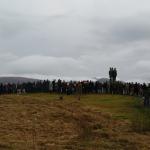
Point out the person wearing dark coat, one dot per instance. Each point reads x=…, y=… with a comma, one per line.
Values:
x=147, y=97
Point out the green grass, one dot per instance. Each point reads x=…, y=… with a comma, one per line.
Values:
x=95, y=122
x=122, y=107
x=119, y=106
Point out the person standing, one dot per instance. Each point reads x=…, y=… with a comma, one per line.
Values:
x=146, y=97
x=79, y=90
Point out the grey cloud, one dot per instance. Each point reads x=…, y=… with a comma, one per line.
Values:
x=132, y=29
x=46, y=65
x=75, y=39
x=122, y=30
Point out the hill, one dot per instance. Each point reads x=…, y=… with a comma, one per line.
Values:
x=102, y=80
x=97, y=122
x=16, y=80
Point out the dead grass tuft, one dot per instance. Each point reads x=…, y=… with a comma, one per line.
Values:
x=32, y=122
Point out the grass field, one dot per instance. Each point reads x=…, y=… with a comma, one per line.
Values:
x=96, y=122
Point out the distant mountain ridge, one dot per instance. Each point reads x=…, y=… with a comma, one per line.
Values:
x=102, y=80
x=20, y=80
x=16, y=80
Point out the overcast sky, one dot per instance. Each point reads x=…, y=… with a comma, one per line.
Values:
x=75, y=38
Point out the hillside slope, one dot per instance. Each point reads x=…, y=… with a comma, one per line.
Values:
x=16, y=80
x=42, y=121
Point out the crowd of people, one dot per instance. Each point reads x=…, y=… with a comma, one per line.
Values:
x=29, y=87
x=72, y=87
x=83, y=87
